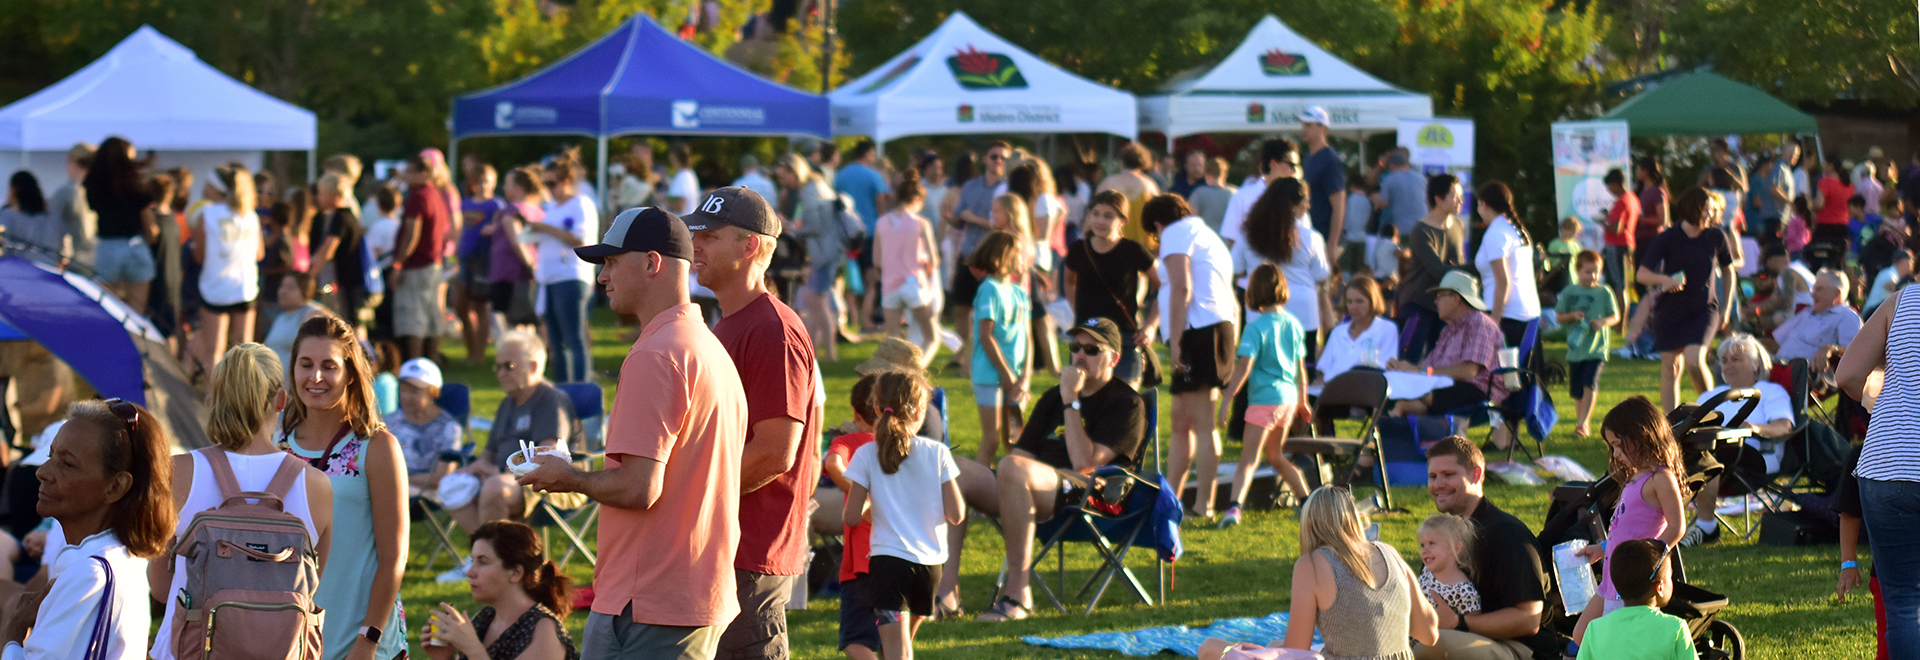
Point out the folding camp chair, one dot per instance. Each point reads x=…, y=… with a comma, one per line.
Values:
x=939, y=402
x=1531, y=403
x=570, y=513
x=1113, y=533
x=457, y=401
x=1772, y=490
x=1357, y=388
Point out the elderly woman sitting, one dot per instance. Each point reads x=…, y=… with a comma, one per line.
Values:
x=1743, y=363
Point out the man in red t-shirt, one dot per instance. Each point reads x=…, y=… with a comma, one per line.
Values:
x=1622, y=221
x=733, y=239
x=424, y=219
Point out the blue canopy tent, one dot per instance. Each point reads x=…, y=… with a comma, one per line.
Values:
x=117, y=351
x=640, y=79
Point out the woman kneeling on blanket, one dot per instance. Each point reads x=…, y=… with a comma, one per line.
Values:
x=1338, y=581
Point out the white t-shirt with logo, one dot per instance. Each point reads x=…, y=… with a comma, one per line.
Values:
x=1502, y=240
x=1211, y=274
x=909, y=514
x=557, y=262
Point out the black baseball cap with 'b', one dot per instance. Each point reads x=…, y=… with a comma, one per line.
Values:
x=735, y=206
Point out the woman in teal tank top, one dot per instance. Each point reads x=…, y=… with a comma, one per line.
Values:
x=333, y=424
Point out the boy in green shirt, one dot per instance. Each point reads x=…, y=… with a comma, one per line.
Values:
x=1639, y=630
x=1587, y=308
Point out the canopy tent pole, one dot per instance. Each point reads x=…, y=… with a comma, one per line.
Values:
x=313, y=174
x=453, y=156
x=602, y=173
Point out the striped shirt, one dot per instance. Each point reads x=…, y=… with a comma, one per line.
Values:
x=1892, y=450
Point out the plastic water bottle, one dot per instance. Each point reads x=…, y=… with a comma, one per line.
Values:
x=1577, y=585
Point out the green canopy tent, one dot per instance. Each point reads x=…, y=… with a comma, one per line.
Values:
x=1707, y=103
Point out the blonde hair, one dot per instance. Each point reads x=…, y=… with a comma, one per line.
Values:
x=1333, y=522
x=341, y=186
x=528, y=342
x=1019, y=221
x=347, y=164
x=1460, y=530
x=239, y=182
x=900, y=400
x=240, y=394
x=798, y=164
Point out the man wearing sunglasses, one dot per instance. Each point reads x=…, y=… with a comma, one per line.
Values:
x=973, y=218
x=1090, y=420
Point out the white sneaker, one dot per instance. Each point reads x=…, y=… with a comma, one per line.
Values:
x=455, y=574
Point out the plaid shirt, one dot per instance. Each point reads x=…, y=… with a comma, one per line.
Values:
x=1471, y=338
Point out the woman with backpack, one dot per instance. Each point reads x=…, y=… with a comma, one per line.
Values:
x=105, y=486
x=332, y=424
x=245, y=395
x=526, y=600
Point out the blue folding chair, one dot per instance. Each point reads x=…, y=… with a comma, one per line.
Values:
x=939, y=403
x=1113, y=533
x=457, y=400
x=1530, y=404
x=571, y=514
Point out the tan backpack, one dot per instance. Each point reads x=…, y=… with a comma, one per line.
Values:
x=251, y=572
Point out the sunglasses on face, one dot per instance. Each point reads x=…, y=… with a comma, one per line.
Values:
x=1087, y=349
x=503, y=366
x=996, y=157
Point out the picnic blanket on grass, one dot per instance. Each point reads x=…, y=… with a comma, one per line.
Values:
x=1178, y=639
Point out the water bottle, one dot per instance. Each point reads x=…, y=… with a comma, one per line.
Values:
x=1577, y=585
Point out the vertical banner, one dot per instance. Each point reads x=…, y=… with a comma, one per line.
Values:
x=1441, y=145
x=1583, y=151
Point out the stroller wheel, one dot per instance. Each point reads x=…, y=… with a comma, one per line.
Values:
x=1720, y=641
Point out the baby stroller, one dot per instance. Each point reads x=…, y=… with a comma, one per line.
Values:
x=1583, y=510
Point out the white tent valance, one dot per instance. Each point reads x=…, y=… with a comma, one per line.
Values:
x=1267, y=80
x=156, y=93
x=963, y=79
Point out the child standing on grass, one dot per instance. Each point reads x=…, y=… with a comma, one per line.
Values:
x=1639, y=630
x=1644, y=458
x=1000, y=366
x=858, y=636
x=1587, y=308
x=1270, y=354
x=1446, y=541
x=893, y=482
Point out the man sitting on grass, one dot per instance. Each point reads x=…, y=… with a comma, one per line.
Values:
x=1639, y=631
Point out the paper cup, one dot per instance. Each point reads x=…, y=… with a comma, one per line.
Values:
x=1509, y=359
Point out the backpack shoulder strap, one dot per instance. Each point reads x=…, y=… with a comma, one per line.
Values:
x=282, y=484
x=222, y=472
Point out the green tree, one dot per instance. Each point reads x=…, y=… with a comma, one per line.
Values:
x=1802, y=51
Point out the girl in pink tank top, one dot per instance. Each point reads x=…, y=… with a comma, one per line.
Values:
x=1644, y=453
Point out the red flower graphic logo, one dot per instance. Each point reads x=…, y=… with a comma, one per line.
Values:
x=1277, y=62
x=976, y=69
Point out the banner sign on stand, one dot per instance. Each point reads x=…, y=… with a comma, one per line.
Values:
x=1441, y=145
x=1583, y=152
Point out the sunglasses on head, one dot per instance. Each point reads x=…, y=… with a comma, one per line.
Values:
x=128, y=413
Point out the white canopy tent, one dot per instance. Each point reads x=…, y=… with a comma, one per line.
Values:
x=1266, y=81
x=963, y=79
x=156, y=93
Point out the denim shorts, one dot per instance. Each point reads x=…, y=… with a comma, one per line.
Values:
x=990, y=396
x=820, y=277
x=123, y=260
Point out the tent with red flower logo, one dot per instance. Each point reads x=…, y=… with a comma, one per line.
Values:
x=1266, y=81
x=963, y=79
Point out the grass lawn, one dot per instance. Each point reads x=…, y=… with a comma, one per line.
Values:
x=1782, y=598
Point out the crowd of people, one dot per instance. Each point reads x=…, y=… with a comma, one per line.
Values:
x=1260, y=295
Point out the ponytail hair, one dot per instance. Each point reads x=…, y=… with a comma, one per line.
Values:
x=240, y=394
x=241, y=195
x=143, y=518
x=901, y=400
x=517, y=546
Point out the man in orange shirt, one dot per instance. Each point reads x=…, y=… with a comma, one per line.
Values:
x=670, y=495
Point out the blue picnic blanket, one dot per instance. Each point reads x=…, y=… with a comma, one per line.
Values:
x=1178, y=639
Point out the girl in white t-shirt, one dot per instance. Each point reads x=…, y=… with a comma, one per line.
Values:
x=228, y=245
x=892, y=481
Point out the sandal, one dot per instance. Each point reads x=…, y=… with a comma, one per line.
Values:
x=945, y=611
x=1007, y=610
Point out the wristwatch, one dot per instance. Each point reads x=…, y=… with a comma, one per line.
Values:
x=371, y=633
x=1075, y=405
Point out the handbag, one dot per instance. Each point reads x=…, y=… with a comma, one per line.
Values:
x=102, y=616
x=1150, y=370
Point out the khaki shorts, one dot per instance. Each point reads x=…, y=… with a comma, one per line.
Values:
x=618, y=637
x=417, y=308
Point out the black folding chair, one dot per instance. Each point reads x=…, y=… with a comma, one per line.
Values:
x=1357, y=388
x=571, y=513
x=1113, y=532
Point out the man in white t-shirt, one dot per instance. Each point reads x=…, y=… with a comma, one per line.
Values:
x=684, y=188
x=1198, y=316
x=1278, y=157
